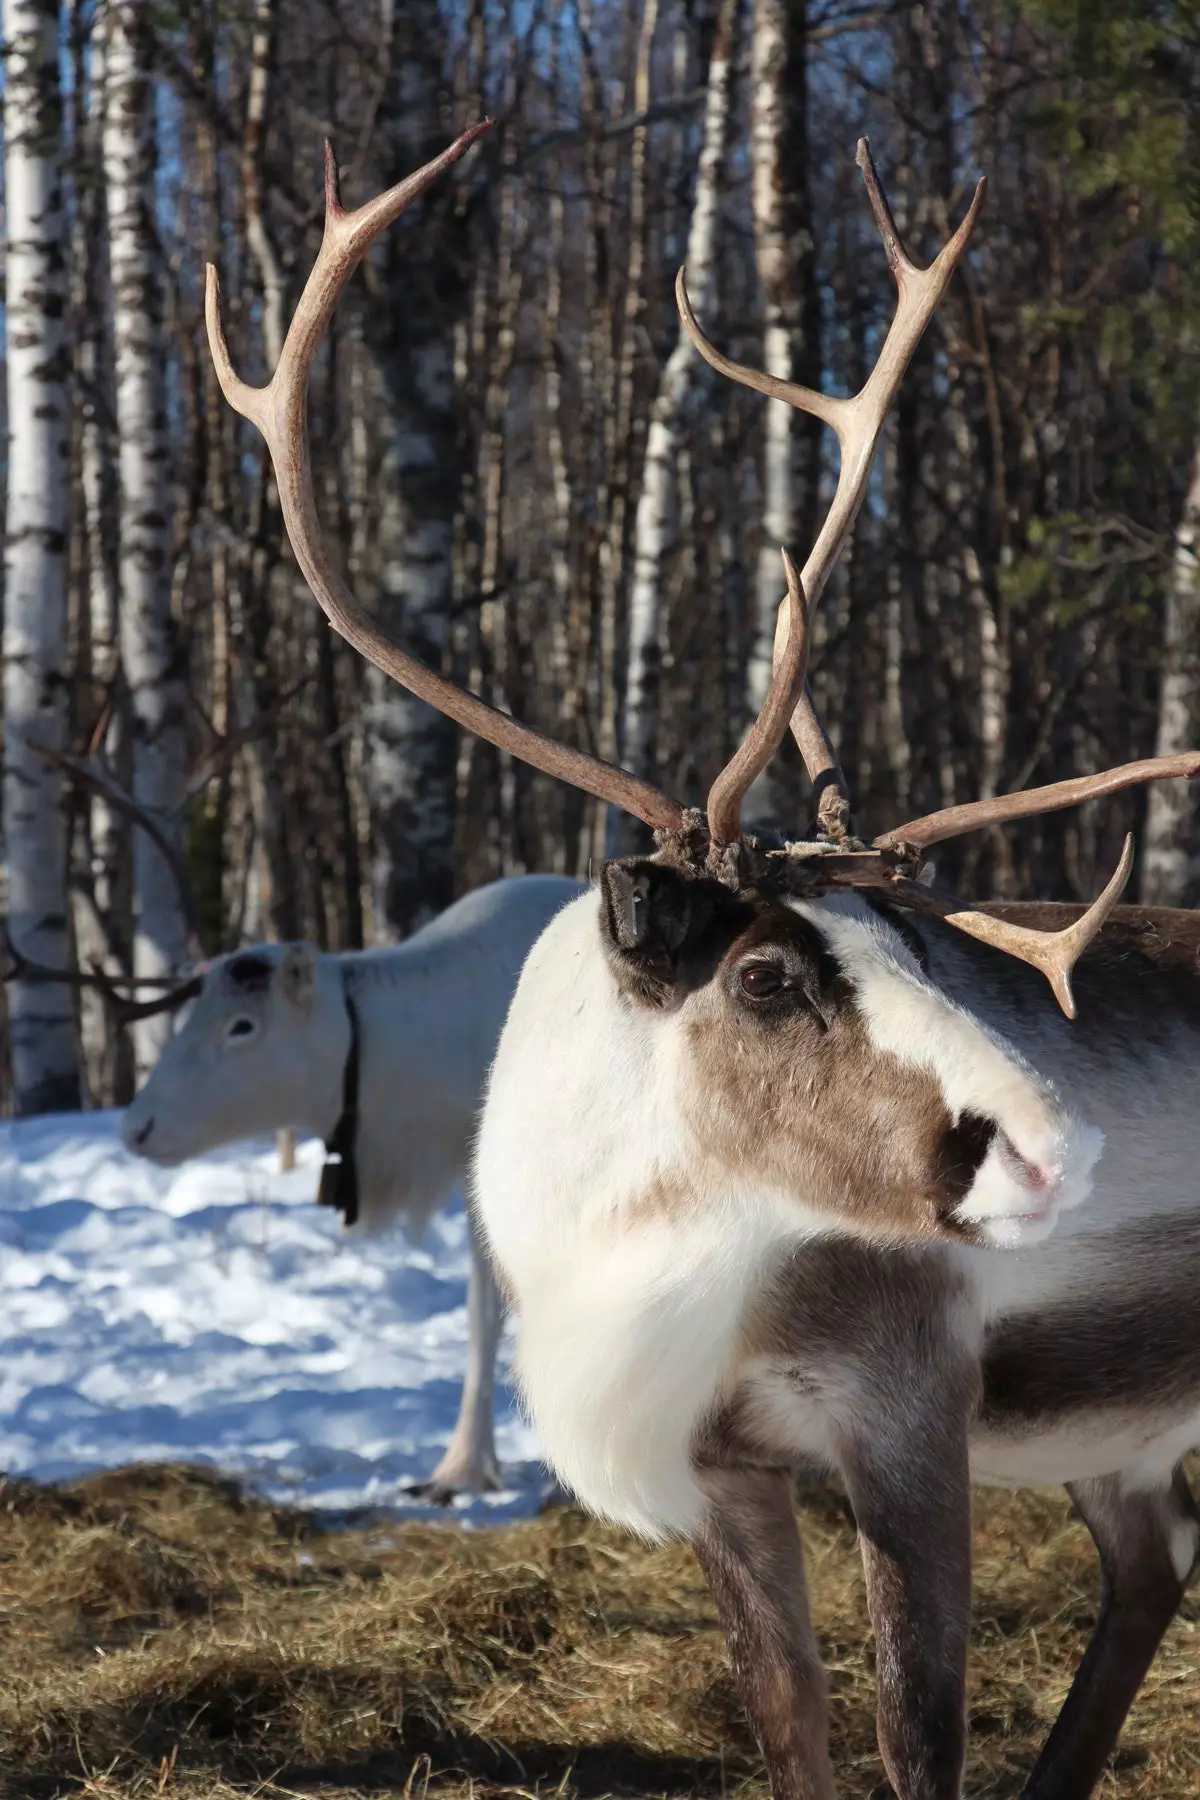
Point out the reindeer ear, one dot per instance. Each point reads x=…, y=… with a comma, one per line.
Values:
x=648, y=914
x=298, y=975
x=247, y=973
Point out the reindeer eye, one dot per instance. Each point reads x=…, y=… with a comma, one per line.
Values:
x=240, y=1031
x=761, y=980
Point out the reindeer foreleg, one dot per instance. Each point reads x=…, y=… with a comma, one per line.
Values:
x=469, y=1465
x=908, y=1482
x=750, y=1552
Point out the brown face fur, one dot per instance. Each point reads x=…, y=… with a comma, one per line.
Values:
x=788, y=1085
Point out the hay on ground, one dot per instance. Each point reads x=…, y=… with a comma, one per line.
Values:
x=162, y=1633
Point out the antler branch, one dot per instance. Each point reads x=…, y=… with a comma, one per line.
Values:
x=89, y=774
x=954, y=821
x=748, y=762
x=1053, y=953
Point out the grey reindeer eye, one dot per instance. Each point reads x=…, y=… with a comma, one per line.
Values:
x=240, y=1031
x=761, y=980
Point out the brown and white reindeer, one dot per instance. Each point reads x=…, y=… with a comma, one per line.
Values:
x=774, y=1138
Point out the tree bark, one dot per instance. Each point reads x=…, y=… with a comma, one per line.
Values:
x=150, y=646
x=102, y=913
x=257, y=680
x=658, y=501
x=410, y=748
x=1168, y=873
x=786, y=264
x=44, y=1063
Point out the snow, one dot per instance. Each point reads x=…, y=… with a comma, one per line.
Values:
x=212, y=1313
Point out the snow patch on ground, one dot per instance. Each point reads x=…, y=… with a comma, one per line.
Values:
x=212, y=1313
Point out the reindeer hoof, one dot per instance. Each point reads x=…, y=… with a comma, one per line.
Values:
x=445, y=1486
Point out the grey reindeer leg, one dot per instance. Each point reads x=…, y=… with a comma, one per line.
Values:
x=1148, y=1542
x=469, y=1465
x=751, y=1555
x=909, y=1485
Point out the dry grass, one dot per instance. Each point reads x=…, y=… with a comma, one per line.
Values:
x=161, y=1633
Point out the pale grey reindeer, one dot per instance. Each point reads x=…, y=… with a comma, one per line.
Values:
x=773, y=1144
x=383, y=1054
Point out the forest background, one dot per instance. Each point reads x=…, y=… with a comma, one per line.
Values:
x=536, y=483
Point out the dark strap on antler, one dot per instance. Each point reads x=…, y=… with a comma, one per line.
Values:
x=339, y=1176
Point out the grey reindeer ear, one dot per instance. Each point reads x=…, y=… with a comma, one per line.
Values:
x=298, y=975
x=647, y=908
x=647, y=915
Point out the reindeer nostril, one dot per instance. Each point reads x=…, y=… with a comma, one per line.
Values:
x=142, y=1138
x=961, y=1154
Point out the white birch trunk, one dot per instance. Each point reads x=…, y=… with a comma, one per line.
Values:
x=784, y=256
x=655, y=521
x=270, y=269
x=45, y=1070
x=149, y=641
x=102, y=917
x=776, y=258
x=410, y=750
x=1167, y=868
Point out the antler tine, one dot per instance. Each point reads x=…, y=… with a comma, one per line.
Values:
x=1053, y=953
x=858, y=423
x=954, y=821
x=831, y=791
x=769, y=729
x=280, y=412
x=22, y=968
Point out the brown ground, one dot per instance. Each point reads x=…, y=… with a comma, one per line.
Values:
x=161, y=1633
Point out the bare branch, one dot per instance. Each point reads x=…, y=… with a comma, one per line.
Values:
x=90, y=774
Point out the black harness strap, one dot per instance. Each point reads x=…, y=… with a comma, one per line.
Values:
x=339, y=1176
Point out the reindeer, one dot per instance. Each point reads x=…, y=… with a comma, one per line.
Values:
x=784, y=1160
x=383, y=1054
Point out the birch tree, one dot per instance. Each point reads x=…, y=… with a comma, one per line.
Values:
x=785, y=259
x=657, y=502
x=45, y=1072
x=102, y=901
x=1171, y=815
x=150, y=646
x=410, y=763
x=785, y=256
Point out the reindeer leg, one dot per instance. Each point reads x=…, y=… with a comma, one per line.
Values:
x=1149, y=1542
x=750, y=1552
x=469, y=1465
x=909, y=1485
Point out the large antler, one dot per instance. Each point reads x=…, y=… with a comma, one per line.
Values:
x=280, y=411
x=858, y=423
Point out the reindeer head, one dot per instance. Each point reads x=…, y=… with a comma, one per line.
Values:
x=262, y=1048
x=812, y=1059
